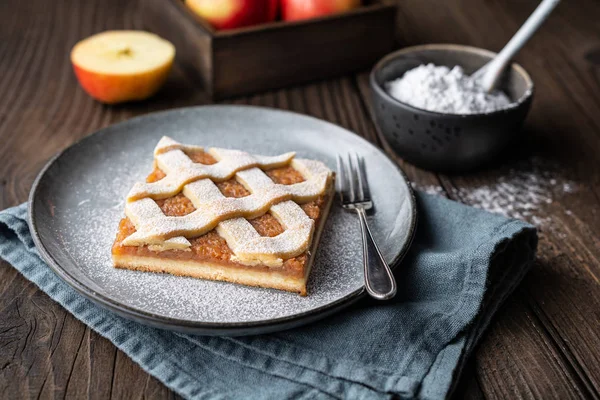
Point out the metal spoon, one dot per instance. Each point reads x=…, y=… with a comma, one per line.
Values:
x=489, y=75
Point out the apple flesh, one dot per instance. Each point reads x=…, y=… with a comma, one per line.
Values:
x=230, y=14
x=120, y=66
x=293, y=10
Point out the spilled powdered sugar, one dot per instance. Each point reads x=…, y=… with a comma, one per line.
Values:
x=429, y=189
x=518, y=192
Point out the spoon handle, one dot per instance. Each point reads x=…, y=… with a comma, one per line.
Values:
x=495, y=67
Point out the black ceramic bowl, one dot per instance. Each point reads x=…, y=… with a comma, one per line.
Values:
x=447, y=142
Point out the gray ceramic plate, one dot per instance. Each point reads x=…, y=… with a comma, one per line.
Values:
x=78, y=199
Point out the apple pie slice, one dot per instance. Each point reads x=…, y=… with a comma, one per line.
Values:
x=226, y=215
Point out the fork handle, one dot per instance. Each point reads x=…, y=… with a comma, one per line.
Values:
x=379, y=280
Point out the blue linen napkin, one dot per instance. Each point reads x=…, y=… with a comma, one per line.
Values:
x=463, y=263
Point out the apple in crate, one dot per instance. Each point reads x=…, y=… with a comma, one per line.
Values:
x=293, y=10
x=230, y=14
x=119, y=66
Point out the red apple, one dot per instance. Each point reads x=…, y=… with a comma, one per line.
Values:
x=120, y=66
x=273, y=10
x=293, y=10
x=230, y=14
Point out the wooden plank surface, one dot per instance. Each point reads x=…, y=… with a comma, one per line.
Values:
x=545, y=343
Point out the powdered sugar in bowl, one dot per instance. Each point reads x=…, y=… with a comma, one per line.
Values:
x=455, y=134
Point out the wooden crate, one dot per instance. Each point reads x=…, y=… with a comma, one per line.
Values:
x=272, y=55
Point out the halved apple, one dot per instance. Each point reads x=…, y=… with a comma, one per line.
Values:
x=120, y=66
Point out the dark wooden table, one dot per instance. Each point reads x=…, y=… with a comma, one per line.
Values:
x=544, y=343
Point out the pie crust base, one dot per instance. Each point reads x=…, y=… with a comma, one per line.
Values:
x=260, y=276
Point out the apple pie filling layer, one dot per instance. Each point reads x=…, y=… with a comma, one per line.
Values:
x=211, y=247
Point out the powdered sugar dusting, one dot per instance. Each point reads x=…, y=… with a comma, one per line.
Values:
x=103, y=167
x=336, y=270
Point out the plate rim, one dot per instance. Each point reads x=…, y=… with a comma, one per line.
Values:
x=202, y=327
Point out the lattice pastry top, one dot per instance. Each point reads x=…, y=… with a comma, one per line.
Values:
x=227, y=214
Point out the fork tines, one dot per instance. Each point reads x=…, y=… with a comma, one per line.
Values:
x=352, y=180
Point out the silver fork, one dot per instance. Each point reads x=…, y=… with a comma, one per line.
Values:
x=355, y=195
